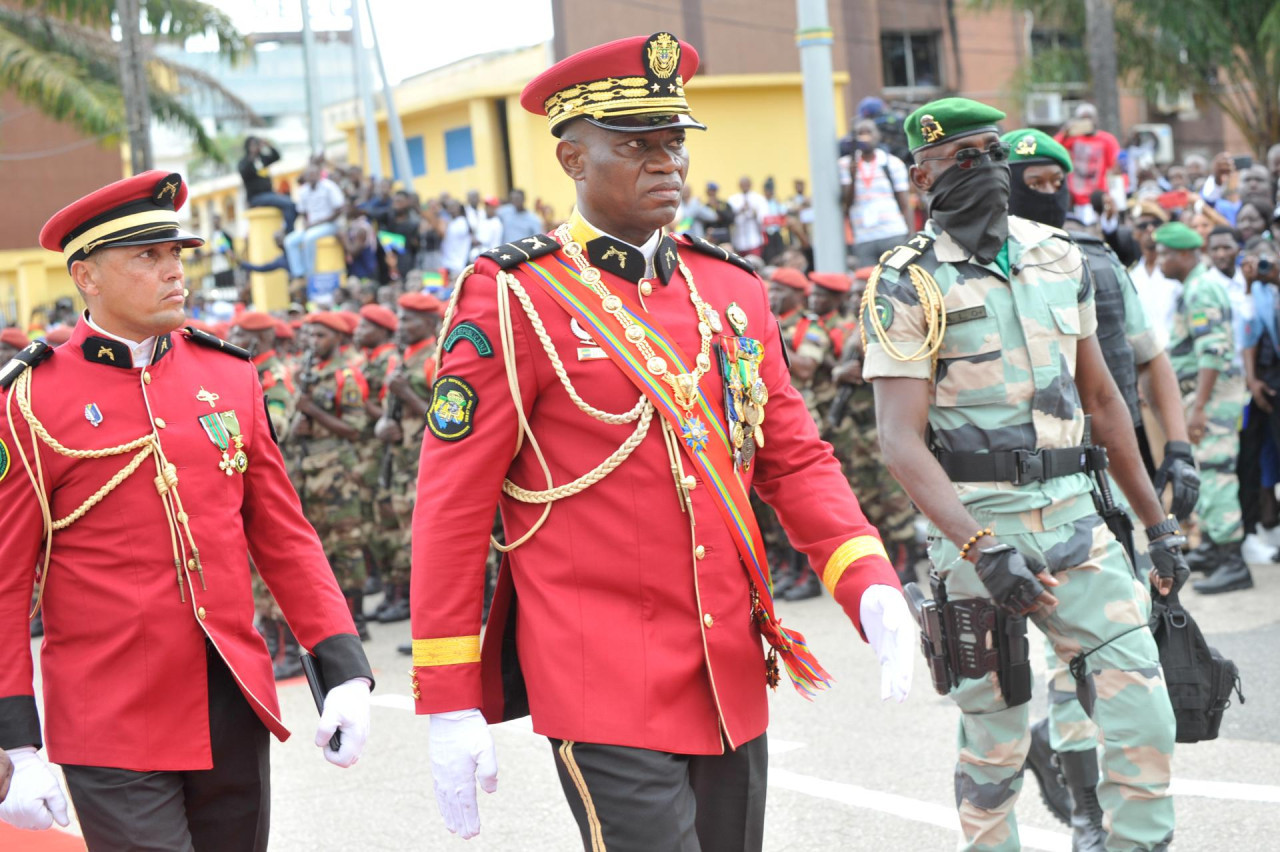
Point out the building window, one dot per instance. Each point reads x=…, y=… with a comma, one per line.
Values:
x=458, y=150
x=911, y=60
x=417, y=160
x=1058, y=57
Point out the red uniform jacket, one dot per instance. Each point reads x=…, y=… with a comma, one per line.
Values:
x=123, y=657
x=623, y=635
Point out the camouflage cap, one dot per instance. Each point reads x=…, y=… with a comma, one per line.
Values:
x=949, y=119
x=1028, y=145
x=1176, y=235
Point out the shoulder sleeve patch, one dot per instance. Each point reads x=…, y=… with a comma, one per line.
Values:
x=705, y=246
x=211, y=341
x=453, y=408
x=515, y=253
x=32, y=355
x=473, y=334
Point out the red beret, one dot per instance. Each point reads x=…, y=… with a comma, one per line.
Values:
x=351, y=318
x=284, y=331
x=15, y=337
x=632, y=84
x=420, y=301
x=220, y=329
x=330, y=319
x=58, y=336
x=254, y=321
x=136, y=211
x=837, y=282
x=793, y=278
x=863, y=273
x=380, y=315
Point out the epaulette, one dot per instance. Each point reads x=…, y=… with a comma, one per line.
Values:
x=702, y=244
x=1083, y=237
x=517, y=252
x=904, y=255
x=212, y=341
x=30, y=355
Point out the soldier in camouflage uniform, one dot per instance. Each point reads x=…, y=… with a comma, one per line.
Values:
x=255, y=332
x=981, y=345
x=331, y=420
x=1202, y=349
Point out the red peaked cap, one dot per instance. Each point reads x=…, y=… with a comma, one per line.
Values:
x=136, y=211
x=632, y=85
x=837, y=282
x=793, y=278
x=420, y=301
x=380, y=315
x=254, y=321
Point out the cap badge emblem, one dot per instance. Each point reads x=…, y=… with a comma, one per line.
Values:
x=931, y=129
x=167, y=189
x=1026, y=147
x=663, y=55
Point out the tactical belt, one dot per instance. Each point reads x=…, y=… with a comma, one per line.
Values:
x=1020, y=466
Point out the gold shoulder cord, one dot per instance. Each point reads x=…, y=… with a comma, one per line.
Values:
x=935, y=316
x=166, y=482
x=641, y=414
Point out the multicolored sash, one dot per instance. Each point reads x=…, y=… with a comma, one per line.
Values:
x=711, y=457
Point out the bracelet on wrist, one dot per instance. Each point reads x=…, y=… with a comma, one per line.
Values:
x=973, y=539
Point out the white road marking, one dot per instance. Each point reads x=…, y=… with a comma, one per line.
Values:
x=1226, y=790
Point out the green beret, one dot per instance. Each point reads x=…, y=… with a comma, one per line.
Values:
x=1176, y=235
x=1029, y=145
x=947, y=119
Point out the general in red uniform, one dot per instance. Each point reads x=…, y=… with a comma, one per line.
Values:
x=138, y=472
x=608, y=386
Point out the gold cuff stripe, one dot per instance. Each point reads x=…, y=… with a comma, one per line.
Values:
x=446, y=651
x=575, y=773
x=847, y=554
x=94, y=235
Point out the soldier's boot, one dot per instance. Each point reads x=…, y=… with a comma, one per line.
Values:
x=355, y=605
x=398, y=608
x=373, y=585
x=809, y=587
x=289, y=657
x=1204, y=557
x=1043, y=763
x=1232, y=573
x=406, y=649
x=1080, y=771
x=788, y=570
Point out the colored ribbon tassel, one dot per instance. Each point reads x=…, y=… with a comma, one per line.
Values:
x=803, y=669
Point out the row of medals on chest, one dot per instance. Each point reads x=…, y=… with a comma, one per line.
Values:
x=746, y=393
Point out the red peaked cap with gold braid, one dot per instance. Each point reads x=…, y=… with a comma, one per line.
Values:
x=631, y=85
x=136, y=211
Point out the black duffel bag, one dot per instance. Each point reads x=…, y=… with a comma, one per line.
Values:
x=1200, y=680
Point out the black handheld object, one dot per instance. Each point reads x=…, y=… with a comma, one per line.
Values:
x=317, y=692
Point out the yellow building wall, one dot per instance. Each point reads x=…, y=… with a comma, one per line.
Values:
x=31, y=280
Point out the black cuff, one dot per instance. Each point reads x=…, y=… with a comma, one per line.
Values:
x=19, y=722
x=342, y=658
x=1179, y=449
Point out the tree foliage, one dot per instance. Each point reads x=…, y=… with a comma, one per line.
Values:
x=58, y=57
x=1226, y=52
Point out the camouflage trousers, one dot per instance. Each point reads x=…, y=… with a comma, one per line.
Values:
x=1098, y=600
x=1219, y=505
x=390, y=540
x=882, y=499
x=331, y=499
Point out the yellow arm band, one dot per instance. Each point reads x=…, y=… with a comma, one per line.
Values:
x=847, y=554
x=446, y=651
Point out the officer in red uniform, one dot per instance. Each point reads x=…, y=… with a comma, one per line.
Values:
x=608, y=387
x=138, y=474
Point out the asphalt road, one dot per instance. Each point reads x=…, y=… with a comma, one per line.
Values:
x=847, y=772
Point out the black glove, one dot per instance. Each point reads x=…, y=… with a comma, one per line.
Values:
x=1010, y=581
x=1179, y=469
x=1167, y=559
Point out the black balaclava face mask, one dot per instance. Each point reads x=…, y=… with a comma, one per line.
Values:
x=1048, y=208
x=972, y=205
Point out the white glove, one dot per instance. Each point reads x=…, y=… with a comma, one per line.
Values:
x=462, y=753
x=346, y=709
x=35, y=798
x=892, y=634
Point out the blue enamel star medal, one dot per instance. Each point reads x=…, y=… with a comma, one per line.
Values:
x=695, y=434
x=93, y=414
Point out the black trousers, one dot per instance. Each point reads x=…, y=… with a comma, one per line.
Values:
x=636, y=800
x=223, y=809
x=1258, y=424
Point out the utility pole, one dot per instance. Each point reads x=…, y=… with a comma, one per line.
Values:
x=814, y=37
x=1100, y=36
x=133, y=85
x=399, y=150
x=315, y=135
x=372, y=145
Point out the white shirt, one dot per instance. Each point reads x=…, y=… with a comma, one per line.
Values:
x=749, y=212
x=875, y=213
x=1159, y=298
x=1242, y=312
x=455, y=246
x=320, y=201
x=141, y=350
x=489, y=233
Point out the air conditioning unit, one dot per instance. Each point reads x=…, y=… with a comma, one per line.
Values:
x=1044, y=109
x=1182, y=102
x=1158, y=138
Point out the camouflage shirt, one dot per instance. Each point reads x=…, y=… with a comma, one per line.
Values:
x=278, y=389
x=1202, y=338
x=1004, y=378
